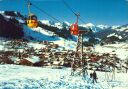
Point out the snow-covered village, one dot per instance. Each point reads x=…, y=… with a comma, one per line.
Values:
x=41, y=48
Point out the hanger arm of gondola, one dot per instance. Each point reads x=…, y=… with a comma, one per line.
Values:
x=43, y=11
x=73, y=11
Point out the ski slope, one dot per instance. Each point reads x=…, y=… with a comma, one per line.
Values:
x=39, y=34
x=24, y=77
x=119, y=49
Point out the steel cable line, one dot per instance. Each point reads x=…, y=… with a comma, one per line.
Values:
x=73, y=11
x=28, y=1
x=81, y=20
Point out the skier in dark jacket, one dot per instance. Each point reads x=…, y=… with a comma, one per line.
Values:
x=91, y=75
x=94, y=75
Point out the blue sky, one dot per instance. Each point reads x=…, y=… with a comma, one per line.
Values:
x=107, y=12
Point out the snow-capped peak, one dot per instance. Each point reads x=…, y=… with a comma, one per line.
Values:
x=120, y=28
x=1, y=12
x=67, y=23
x=115, y=26
x=58, y=25
x=113, y=34
x=47, y=22
x=87, y=25
x=102, y=26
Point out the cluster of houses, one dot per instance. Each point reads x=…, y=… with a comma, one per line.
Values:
x=49, y=56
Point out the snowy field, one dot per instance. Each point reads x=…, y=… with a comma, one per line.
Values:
x=121, y=50
x=24, y=77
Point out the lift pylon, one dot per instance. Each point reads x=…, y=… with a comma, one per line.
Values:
x=78, y=61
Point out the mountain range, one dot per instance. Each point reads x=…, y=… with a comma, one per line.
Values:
x=13, y=26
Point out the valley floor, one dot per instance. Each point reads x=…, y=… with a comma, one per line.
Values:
x=24, y=77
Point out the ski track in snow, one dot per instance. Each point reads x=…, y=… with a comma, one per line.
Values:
x=24, y=77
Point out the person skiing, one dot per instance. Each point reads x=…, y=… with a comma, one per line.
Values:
x=94, y=75
x=84, y=68
x=91, y=75
x=73, y=68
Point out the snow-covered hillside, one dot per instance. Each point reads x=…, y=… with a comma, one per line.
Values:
x=51, y=31
x=52, y=44
x=15, y=24
x=94, y=28
x=39, y=34
x=23, y=77
x=119, y=49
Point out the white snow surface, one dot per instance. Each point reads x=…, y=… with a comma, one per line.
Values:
x=24, y=77
x=1, y=47
x=114, y=34
x=102, y=26
x=58, y=25
x=33, y=59
x=66, y=22
x=46, y=22
x=118, y=28
x=119, y=49
x=39, y=34
x=115, y=27
x=36, y=45
x=87, y=25
x=67, y=44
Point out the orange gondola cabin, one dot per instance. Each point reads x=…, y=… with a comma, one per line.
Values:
x=74, y=29
x=32, y=21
